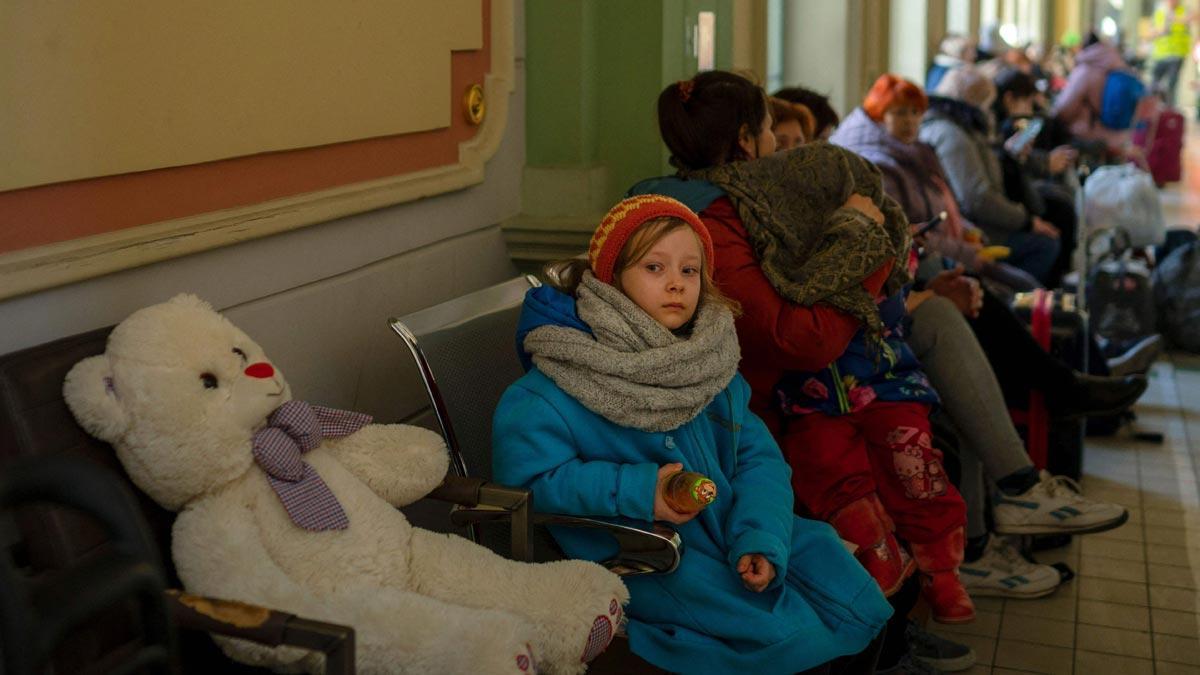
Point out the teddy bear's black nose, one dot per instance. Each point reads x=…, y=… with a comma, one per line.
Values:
x=262, y=370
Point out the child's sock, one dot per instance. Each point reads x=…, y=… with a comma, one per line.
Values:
x=975, y=547
x=1019, y=481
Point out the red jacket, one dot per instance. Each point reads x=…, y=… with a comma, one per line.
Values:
x=776, y=335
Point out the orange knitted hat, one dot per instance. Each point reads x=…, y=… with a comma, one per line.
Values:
x=626, y=217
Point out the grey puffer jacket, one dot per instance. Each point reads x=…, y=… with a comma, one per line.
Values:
x=957, y=133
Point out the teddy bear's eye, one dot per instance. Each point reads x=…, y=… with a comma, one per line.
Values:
x=209, y=380
x=240, y=353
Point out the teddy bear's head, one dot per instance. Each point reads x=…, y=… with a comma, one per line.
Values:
x=179, y=392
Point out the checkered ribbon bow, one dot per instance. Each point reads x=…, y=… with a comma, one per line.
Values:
x=292, y=430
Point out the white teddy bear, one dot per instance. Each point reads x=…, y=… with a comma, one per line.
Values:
x=271, y=514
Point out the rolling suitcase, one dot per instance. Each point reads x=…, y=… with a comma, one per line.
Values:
x=1160, y=137
x=1060, y=327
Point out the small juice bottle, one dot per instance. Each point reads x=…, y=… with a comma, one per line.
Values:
x=688, y=491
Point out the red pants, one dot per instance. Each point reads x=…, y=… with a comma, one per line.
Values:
x=884, y=448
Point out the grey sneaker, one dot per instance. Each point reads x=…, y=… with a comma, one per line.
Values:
x=1001, y=572
x=909, y=665
x=937, y=652
x=1054, y=506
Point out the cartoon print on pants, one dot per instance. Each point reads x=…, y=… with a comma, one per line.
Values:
x=922, y=478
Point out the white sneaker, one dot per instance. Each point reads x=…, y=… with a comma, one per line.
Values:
x=1054, y=506
x=1001, y=572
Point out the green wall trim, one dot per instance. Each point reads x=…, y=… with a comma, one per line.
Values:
x=594, y=69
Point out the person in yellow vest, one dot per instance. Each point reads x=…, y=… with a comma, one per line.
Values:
x=1172, y=42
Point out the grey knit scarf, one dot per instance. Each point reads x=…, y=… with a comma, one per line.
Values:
x=635, y=372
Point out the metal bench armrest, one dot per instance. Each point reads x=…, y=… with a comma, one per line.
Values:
x=265, y=626
x=645, y=547
x=482, y=501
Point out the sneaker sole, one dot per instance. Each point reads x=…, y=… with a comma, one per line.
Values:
x=963, y=662
x=954, y=620
x=1050, y=529
x=1001, y=593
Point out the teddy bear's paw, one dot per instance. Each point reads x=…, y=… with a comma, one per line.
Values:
x=601, y=635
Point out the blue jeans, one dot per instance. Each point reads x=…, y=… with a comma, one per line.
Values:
x=1034, y=253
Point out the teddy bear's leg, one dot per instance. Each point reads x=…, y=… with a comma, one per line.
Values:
x=574, y=605
x=404, y=632
x=219, y=553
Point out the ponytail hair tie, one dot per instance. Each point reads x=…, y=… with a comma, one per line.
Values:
x=685, y=89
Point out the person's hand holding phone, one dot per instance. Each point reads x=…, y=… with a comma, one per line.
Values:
x=1061, y=158
x=1044, y=228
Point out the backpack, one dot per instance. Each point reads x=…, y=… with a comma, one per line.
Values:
x=1177, y=296
x=1121, y=300
x=1119, y=100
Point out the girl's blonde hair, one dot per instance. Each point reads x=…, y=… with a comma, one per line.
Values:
x=565, y=275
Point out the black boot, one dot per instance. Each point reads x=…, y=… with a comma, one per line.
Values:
x=1091, y=396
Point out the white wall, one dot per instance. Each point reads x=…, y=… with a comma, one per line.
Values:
x=317, y=298
x=907, y=39
x=814, y=49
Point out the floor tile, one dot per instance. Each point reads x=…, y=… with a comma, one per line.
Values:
x=1171, y=575
x=1037, y=630
x=978, y=669
x=1113, y=548
x=1170, y=518
x=1058, y=606
x=1177, y=649
x=1168, y=622
x=1128, y=617
x=986, y=624
x=1171, y=536
x=1010, y=671
x=1172, y=555
x=1113, y=641
x=1126, y=532
x=1034, y=658
x=1095, y=663
x=1168, y=668
x=989, y=604
x=1111, y=568
x=1178, y=599
x=1107, y=590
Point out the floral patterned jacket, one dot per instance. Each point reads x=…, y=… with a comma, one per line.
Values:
x=861, y=374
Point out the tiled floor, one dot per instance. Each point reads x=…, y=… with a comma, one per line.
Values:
x=1134, y=607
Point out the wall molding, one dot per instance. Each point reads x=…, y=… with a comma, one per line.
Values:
x=41, y=267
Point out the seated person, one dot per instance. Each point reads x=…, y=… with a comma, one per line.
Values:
x=792, y=123
x=850, y=400
x=957, y=129
x=634, y=377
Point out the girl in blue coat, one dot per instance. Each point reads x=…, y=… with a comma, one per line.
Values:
x=633, y=376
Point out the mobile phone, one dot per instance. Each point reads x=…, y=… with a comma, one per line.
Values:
x=929, y=225
x=1017, y=143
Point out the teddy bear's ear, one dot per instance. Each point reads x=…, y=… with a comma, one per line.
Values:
x=189, y=300
x=94, y=399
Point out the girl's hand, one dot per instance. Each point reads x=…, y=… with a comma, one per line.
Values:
x=864, y=205
x=661, y=510
x=757, y=572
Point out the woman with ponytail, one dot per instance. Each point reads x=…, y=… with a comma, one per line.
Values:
x=817, y=256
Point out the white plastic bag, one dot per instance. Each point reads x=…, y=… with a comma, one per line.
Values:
x=1125, y=197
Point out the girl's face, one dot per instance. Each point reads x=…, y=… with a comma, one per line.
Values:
x=665, y=283
x=760, y=144
x=788, y=135
x=903, y=121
